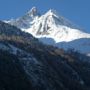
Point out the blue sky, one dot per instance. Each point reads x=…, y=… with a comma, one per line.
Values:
x=77, y=11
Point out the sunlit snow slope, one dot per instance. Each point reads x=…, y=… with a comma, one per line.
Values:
x=53, y=29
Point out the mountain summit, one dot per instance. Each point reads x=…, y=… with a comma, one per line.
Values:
x=24, y=22
x=53, y=29
x=33, y=12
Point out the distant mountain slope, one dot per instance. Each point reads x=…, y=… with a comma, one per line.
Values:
x=53, y=27
x=35, y=66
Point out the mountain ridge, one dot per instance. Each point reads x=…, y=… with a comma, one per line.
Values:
x=44, y=67
x=51, y=26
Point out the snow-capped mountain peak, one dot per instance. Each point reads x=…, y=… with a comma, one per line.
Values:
x=26, y=20
x=52, y=28
x=52, y=12
x=33, y=12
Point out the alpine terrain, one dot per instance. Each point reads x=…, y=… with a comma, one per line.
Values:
x=41, y=52
x=53, y=29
